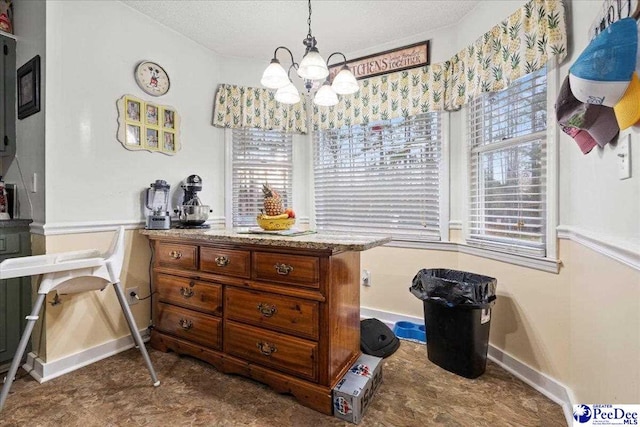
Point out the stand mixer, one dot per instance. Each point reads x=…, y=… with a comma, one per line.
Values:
x=192, y=213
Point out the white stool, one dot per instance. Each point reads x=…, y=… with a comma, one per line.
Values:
x=58, y=270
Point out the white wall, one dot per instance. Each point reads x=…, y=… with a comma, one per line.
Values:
x=94, y=48
x=29, y=26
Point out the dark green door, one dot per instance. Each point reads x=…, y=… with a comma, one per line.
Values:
x=13, y=295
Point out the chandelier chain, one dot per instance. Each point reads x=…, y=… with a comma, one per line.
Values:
x=309, y=20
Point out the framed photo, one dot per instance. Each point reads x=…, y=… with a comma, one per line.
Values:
x=133, y=110
x=169, y=119
x=132, y=136
x=152, y=114
x=147, y=126
x=169, y=143
x=29, y=88
x=152, y=139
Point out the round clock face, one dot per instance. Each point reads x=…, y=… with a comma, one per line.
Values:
x=152, y=78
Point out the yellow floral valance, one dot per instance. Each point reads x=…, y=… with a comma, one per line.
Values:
x=249, y=107
x=405, y=93
x=519, y=45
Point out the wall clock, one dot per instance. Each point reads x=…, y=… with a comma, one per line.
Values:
x=152, y=78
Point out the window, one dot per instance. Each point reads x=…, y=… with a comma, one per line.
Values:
x=381, y=178
x=508, y=167
x=258, y=156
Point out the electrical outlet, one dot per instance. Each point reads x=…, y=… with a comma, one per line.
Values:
x=366, y=278
x=131, y=300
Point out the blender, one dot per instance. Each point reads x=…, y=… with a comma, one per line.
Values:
x=157, y=206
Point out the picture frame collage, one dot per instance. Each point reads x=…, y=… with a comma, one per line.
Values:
x=148, y=126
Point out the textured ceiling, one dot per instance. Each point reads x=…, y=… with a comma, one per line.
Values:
x=253, y=29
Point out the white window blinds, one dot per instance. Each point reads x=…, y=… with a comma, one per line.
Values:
x=258, y=157
x=381, y=178
x=507, y=132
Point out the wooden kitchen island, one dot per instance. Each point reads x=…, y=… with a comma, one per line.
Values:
x=284, y=311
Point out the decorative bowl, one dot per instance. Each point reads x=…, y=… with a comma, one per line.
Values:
x=275, y=224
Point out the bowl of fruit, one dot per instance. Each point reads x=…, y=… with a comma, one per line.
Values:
x=275, y=217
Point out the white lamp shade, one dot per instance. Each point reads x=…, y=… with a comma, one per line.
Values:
x=312, y=66
x=344, y=83
x=274, y=77
x=288, y=94
x=325, y=96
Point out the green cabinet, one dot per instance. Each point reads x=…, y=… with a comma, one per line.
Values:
x=7, y=96
x=15, y=294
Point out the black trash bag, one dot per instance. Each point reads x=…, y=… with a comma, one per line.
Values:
x=454, y=288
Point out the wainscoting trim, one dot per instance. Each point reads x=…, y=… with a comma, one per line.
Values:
x=627, y=253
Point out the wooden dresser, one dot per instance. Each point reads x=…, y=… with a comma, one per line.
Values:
x=283, y=311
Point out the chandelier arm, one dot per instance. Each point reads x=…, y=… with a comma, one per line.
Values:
x=295, y=66
x=344, y=62
x=275, y=53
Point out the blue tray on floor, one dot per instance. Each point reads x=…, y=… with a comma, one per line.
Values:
x=410, y=331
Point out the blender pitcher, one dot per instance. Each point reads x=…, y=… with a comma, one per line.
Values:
x=157, y=206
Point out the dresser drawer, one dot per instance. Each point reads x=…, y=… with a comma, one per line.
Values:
x=194, y=294
x=282, y=352
x=225, y=261
x=179, y=256
x=190, y=325
x=10, y=244
x=284, y=268
x=267, y=310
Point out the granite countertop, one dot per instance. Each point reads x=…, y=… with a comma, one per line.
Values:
x=307, y=241
x=15, y=223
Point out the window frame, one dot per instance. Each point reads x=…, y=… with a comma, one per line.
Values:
x=443, y=189
x=228, y=178
x=549, y=262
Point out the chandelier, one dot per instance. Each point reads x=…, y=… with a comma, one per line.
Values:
x=311, y=69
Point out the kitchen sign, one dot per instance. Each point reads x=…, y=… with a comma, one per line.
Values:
x=402, y=58
x=612, y=11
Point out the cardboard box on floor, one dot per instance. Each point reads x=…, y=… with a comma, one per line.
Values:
x=354, y=392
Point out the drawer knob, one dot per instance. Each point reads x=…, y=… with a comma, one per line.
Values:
x=266, y=348
x=186, y=292
x=175, y=254
x=267, y=310
x=222, y=261
x=283, y=269
x=186, y=324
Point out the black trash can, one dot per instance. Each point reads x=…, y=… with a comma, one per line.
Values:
x=457, y=316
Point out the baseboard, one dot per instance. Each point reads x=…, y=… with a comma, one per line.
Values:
x=43, y=371
x=543, y=383
x=387, y=317
x=551, y=388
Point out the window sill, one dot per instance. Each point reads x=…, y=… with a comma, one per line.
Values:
x=543, y=264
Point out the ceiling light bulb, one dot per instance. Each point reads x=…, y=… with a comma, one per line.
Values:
x=325, y=96
x=274, y=77
x=288, y=94
x=344, y=83
x=312, y=66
